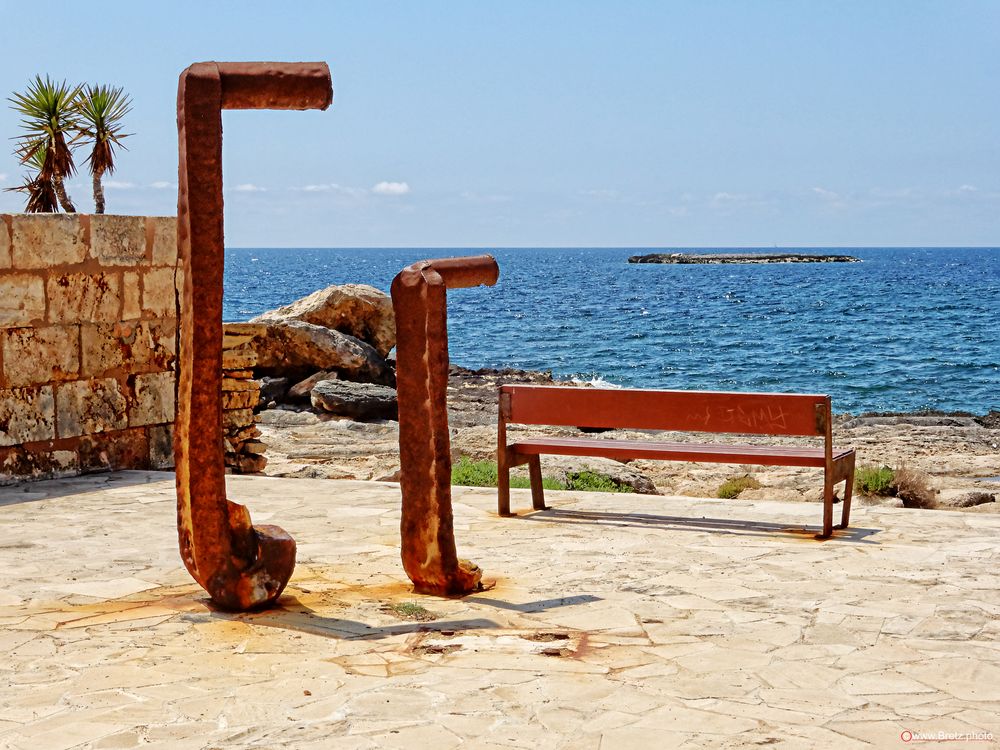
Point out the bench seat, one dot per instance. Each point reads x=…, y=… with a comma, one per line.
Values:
x=758, y=455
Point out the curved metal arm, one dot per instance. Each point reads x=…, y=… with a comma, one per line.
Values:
x=427, y=535
x=240, y=565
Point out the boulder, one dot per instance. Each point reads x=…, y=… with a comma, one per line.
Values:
x=301, y=390
x=973, y=499
x=355, y=400
x=293, y=349
x=272, y=389
x=358, y=310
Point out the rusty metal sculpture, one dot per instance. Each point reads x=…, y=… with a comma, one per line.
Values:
x=240, y=565
x=428, y=538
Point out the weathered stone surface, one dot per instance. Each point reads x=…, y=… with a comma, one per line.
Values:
x=295, y=347
x=135, y=345
x=27, y=415
x=238, y=359
x=114, y=450
x=76, y=297
x=355, y=400
x=5, y=259
x=19, y=463
x=88, y=406
x=158, y=293
x=235, y=419
x=161, y=446
x=131, y=296
x=22, y=299
x=47, y=240
x=32, y=356
x=358, y=310
x=972, y=499
x=250, y=464
x=233, y=385
x=164, y=231
x=154, y=399
x=118, y=240
x=240, y=399
x=301, y=390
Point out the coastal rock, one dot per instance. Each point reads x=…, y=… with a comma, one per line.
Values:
x=358, y=310
x=272, y=389
x=293, y=348
x=740, y=258
x=301, y=390
x=364, y=401
x=971, y=499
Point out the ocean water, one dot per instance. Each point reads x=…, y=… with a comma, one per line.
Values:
x=906, y=329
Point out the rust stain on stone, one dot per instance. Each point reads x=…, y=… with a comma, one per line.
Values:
x=242, y=566
x=427, y=535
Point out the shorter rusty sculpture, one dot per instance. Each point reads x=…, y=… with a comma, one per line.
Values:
x=427, y=534
x=242, y=566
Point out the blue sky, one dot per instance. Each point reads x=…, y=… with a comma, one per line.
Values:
x=560, y=123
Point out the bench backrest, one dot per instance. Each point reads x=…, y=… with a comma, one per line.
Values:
x=685, y=411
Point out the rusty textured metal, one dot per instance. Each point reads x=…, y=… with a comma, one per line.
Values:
x=242, y=566
x=426, y=530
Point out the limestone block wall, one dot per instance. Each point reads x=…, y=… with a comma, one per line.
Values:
x=88, y=343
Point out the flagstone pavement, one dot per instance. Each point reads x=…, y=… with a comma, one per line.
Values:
x=616, y=622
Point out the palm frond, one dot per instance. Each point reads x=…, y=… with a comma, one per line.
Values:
x=49, y=112
x=102, y=109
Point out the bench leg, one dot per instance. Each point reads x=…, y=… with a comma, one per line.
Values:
x=827, y=506
x=845, y=515
x=537, y=492
x=503, y=488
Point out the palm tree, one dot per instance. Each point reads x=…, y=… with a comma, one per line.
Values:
x=101, y=111
x=49, y=115
x=41, y=192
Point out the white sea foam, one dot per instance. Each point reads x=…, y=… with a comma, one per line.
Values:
x=597, y=382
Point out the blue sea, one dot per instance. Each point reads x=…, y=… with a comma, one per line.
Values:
x=907, y=329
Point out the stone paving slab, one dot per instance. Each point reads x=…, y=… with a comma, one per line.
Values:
x=616, y=621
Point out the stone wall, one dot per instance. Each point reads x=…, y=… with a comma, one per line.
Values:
x=88, y=322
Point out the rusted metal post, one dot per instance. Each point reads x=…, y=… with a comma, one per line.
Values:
x=240, y=565
x=427, y=535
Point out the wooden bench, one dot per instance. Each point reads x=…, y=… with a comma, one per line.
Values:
x=684, y=411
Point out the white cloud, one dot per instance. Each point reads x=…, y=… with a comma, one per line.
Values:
x=3, y=177
x=118, y=185
x=827, y=194
x=962, y=189
x=331, y=187
x=391, y=188
x=163, y=185
x=249, y=187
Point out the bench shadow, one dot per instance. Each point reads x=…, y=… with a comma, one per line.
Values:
x=736, y=527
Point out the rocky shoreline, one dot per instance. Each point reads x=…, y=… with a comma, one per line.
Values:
x=740, y=258
x=328, y=405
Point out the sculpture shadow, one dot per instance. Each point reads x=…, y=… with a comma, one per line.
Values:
x=289, y=613
x=49, y=489
x=731, y=526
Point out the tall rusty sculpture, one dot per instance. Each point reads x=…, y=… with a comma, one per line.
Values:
x=427, y=535
x=240, y=565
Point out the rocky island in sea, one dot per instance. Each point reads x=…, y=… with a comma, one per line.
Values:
x=740, y=258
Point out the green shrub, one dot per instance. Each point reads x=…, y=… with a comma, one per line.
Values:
x=734, y=486
x=875, y=480
x=469, y=473
x=590, y=481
